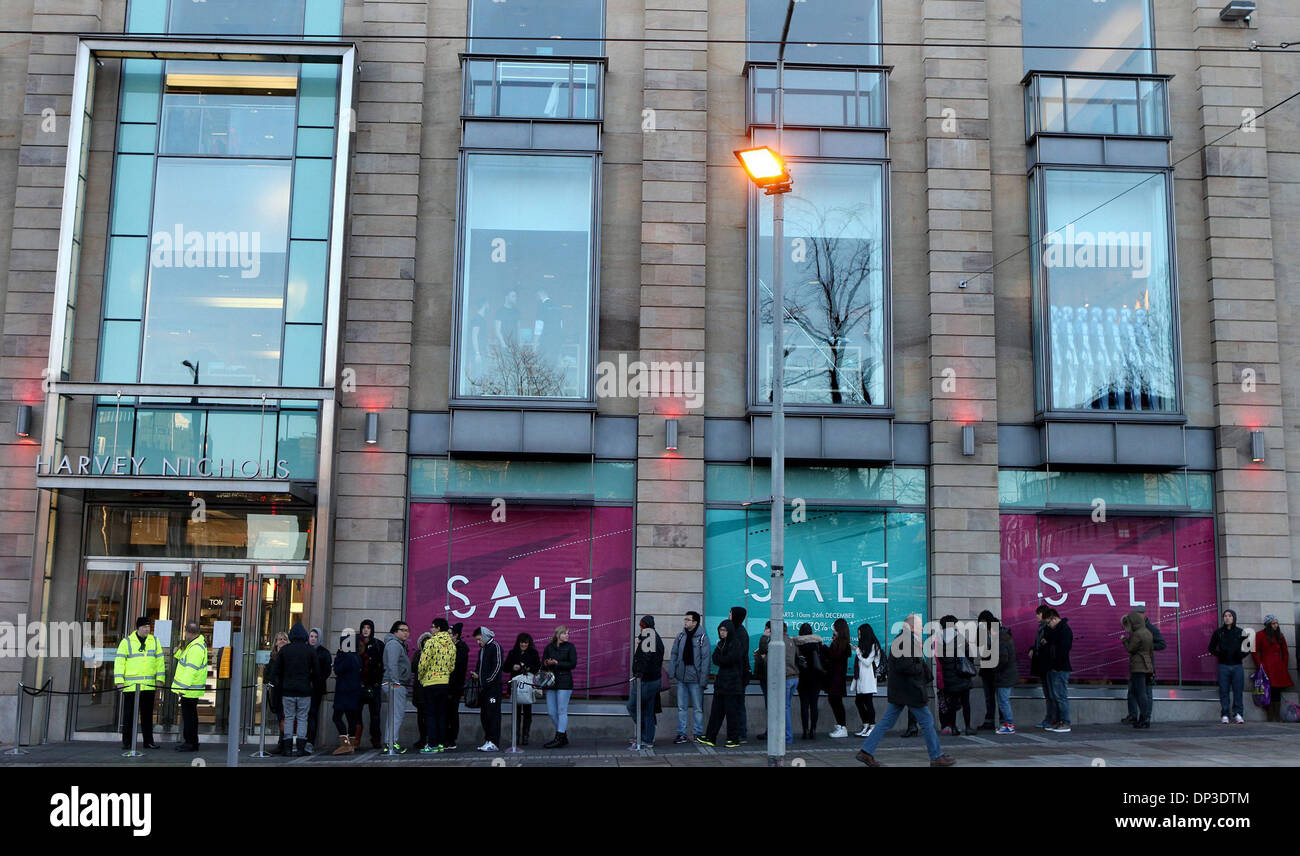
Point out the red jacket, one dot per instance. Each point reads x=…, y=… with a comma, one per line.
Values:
x=1272, y=656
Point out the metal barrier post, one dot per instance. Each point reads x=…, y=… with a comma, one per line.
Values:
x=235, y=711
x=133, y=752
x=45, y=735
x=390, y=745
x=261, y=740
x=18, y=724
x=636, y=695
x=514, y=719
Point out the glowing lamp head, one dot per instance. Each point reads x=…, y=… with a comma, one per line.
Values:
x=764, y=166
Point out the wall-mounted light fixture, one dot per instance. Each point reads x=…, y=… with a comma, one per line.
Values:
x=1257, y=447
x=670, y=435
x=372, y=428
x=23, y=425
x=1237, y=10
x=968, y=440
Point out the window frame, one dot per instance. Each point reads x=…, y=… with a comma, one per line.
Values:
x=751, y=94
x=1033, y=98
x=466, y=59
x=587, y=403
x=754, y=404
x=1044, y=407
x=880, y=49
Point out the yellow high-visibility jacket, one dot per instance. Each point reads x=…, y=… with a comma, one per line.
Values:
x=191, y=676
x=138, y=665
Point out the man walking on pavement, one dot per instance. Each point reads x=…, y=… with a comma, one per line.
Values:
x=137, y=670
x=397, y=676
x=689, y=666
x=189, y=682
x=910, y=675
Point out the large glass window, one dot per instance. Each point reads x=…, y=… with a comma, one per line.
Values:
x=834, y=276
x=1109, y=307
x=814, y=23
x=1120, y=29
x=229, y=108
x=237, y=17
x=537, y=27
x=820, y=97
x=217, y=272
x=526, y=276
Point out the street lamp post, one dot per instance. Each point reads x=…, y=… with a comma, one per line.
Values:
x=768, y=170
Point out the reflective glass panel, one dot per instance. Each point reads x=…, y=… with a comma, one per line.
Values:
x=816, y=22
x=1110, y=325
x=167, y=434
x=1100, y=106
x=1119, y=28
x=530, y=26
x=229, y=108
x=217, y=272
x=526, y=295
x=834, y=287
x=237, y=17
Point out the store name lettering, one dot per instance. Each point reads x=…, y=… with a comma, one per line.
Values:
x=801, y=583
x=1092, y=586
x=503, y=599
x=122, y=465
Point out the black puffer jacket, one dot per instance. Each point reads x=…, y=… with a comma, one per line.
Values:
x=565, y=656
x=1060, y=639
x=1007, y=673
x=294, y=669
x=909, y=677
x=953, y=680
x=371, y=652
x=1226, y=643
x=729, y=656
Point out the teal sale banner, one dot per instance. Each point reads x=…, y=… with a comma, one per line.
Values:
x=862, y=566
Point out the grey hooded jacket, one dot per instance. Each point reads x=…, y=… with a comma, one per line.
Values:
x=698, y=673
x=397, y=665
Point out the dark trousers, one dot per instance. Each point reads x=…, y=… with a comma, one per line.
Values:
x=808, y=705
x=956, y=701
x=376, y=715
x=313, y=716
x=866, y=707
x=453, y=715
x=744, y=717
x=190, y=721
x=524, y=721
x=990, y=700
x=435, y=712
x=418, y=695
x=1134, y=704
x=346, y=721
x=837, y=708
x=490, y=716
x=1139, y=688
x=145, y=700
x=730, y=706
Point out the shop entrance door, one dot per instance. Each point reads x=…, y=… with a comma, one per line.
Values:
x=279, y=591
x=164, y=598
x=221, y=598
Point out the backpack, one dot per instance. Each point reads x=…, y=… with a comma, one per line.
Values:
x=1261, y=692
x=1291, y=712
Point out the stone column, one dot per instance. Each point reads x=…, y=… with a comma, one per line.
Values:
x=965, y=543
x=670, y=485
x=1250, y=498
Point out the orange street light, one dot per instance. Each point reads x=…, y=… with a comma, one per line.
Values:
x=765, y=168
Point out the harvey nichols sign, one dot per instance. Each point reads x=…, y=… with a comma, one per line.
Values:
x=177, y=467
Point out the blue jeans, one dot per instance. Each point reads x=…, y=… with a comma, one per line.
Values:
x=557, y=705
x=1004, y=704
x=923, y=718
x=649, y=689
x=791, y=685
x=1058, y=706
x=690, y=697
x=1231, y=680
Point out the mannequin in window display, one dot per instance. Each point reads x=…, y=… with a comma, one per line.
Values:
x=1133, y=357
x=478, y=343
x=1147, y=352
x=1089, y=376
x=1058, y=354
x=505, y=329
x=1105, y=373
x=1071, y=360
x=1119, y=363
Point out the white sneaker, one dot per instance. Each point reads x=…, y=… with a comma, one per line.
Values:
x=866, y=729
x=489, y=747
x=1239, y=720
x=840, y=731
x=1223, y=719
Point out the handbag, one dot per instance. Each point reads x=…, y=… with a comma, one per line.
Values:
x=521, y=689
x=965, y=666
x=473, y=691
x=544, y=680
x=1261, y=690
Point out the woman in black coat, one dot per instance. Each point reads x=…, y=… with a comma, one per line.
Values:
x=837, y=667
x=729, y=655
x=347, y=695
x=523, y=660
x=956, y=685
x=561, y=658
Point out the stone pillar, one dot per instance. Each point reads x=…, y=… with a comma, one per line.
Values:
x=965, y=543
x=1251, y=498
x=368, y=571
x=670, y=485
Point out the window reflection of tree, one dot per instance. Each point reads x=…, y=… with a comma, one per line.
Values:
x=833, y=301
x=518, y=370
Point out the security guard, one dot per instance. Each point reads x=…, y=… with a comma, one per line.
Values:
x=137, y=672
x=189, y=682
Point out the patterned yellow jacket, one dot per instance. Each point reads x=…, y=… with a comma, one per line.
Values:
x=437, y=658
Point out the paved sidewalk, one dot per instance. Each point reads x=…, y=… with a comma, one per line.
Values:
x=1164, y=745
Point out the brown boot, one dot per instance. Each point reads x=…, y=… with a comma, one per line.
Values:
x=356, y=737
x=345, y=746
